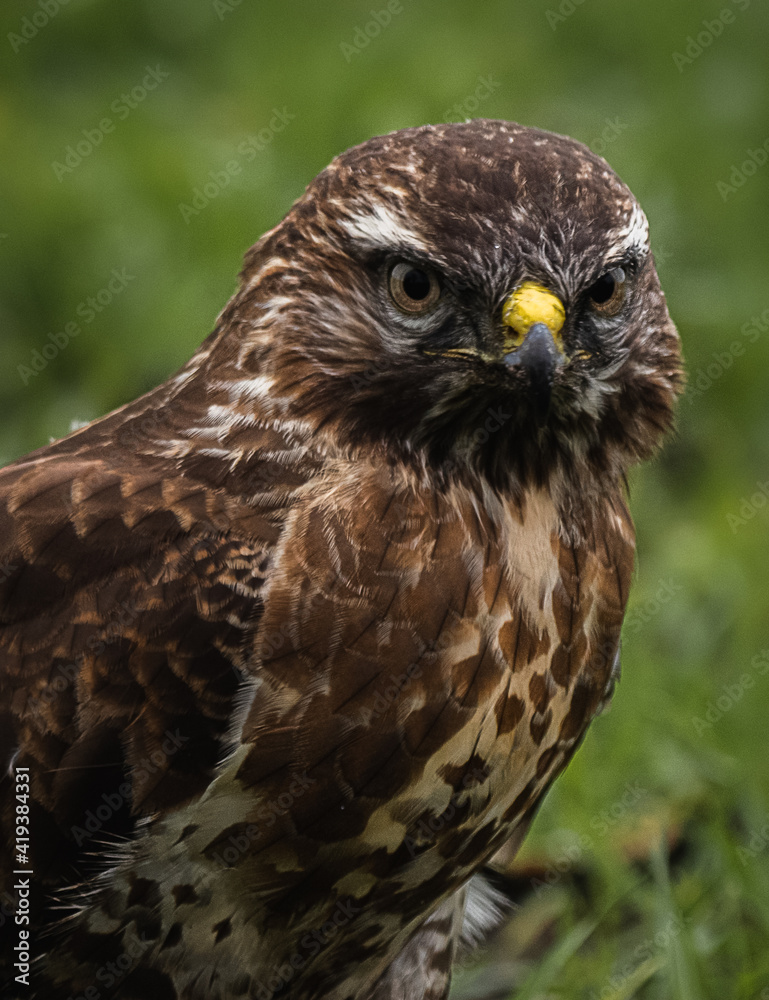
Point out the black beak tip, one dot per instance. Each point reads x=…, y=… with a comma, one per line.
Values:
x=537, y=352
x=539, y=356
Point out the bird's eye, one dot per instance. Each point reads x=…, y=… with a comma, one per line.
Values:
x=414, y=290
x=608, y=293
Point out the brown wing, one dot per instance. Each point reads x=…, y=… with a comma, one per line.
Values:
x=127, y=594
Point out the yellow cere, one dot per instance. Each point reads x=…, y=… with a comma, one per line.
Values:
x=531, y=303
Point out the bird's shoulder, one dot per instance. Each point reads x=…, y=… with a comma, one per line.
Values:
x=128, y=592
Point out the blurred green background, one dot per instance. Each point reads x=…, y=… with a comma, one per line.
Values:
x=647, y=870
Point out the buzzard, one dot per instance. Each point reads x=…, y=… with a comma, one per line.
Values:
x=292, y=645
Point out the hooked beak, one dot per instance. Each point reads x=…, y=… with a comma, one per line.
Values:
x=534, y=317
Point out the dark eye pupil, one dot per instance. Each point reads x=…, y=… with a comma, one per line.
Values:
x=603, y=289
x=416, y=284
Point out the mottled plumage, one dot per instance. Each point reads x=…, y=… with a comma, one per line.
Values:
x=293, y=644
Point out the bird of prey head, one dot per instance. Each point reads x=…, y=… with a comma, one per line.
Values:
x=477, y=295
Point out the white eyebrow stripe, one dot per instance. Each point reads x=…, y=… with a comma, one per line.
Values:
x=381, y=227
x=635, y=233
